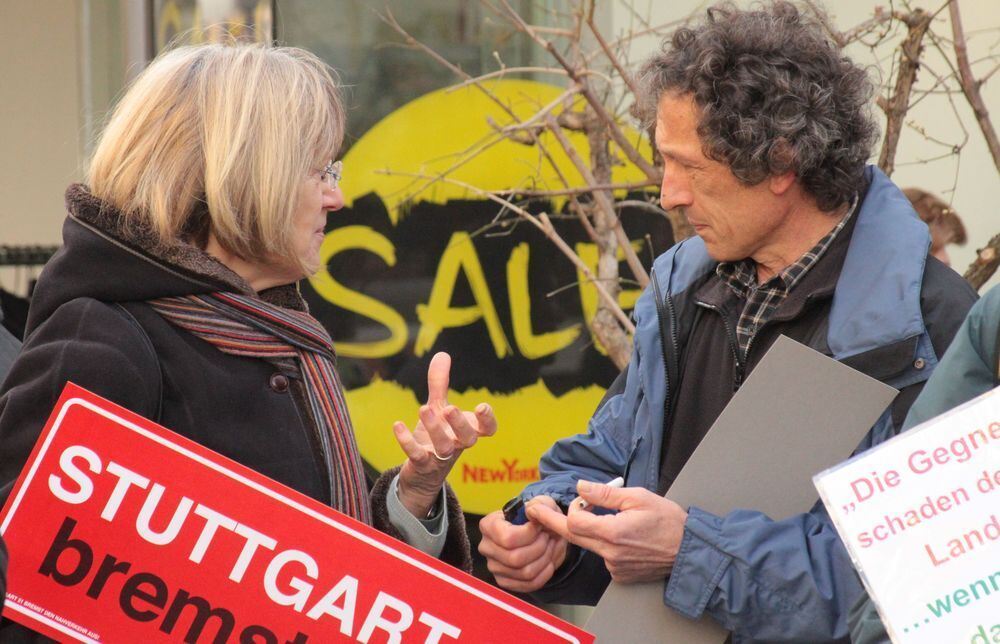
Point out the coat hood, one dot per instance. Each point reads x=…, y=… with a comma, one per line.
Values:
x=102, y=259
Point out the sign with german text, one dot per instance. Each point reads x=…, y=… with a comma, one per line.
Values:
x=120, y=530
x=920, y=515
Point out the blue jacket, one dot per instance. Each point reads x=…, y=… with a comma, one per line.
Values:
x=788, y=580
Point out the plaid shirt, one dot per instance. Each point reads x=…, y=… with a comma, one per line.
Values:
x=763, y=300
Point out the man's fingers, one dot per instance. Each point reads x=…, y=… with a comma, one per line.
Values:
x=605, y=496
x=521, y=563
x=578, y=506
x=532, y=570
x=486, y=419
x=518, y=586
x=590, y=536
x=523, y=569
x=438, y=375
x=544, y=499
x=506, y=535
x=552, y=520
x=560, y=547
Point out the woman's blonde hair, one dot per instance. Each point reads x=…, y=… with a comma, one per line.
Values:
x=234, y=127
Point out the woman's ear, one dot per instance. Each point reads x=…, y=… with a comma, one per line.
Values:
x=198, y=225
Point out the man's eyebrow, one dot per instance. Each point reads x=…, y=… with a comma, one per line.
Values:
x=675, y=156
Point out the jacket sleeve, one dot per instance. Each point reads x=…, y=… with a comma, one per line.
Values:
x=788, y=580
x=457, y=549
x=866, y=625
x=86, y=342
x=599, y=455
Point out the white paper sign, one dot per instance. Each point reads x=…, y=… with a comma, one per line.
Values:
x=920, y=515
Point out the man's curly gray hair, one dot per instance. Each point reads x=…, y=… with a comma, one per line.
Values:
x=775, y=94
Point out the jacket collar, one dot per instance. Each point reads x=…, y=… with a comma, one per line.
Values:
x=818, y=282
x=180, y=257
x=877, y=300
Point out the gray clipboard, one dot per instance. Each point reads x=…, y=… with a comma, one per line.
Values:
x=798, y=413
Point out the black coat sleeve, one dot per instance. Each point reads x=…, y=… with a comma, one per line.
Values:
x=92, y=344
x=457, y=550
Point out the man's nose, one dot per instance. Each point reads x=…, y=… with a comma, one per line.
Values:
x=674, y=190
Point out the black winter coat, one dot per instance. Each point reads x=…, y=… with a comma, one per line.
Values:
x=89, y=324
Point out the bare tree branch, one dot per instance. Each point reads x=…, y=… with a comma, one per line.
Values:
x=917, y=23
x=602, y=201
x=542, y=223
x=844, y=38
x=969, y=85
x=605, y=100
x=413, y=43
x=626, y=76
x=582, y=190
x=642, y=205
x=613, y=130
x=986, y=263
x=500, y=73
x=389, y=19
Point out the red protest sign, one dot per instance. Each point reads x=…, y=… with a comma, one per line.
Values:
x=120, y=530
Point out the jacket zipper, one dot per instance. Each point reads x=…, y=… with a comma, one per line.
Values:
x=740, y=368
x=666, y=318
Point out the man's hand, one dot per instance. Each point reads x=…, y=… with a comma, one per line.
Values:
x=521, y=557
x=440, y=436
x=640, y=543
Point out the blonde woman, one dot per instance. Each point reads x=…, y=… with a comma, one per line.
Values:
x=175, y=293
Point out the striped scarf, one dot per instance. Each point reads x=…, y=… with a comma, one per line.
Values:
x=246, y=326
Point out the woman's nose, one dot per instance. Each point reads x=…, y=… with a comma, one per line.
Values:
x=333, y=198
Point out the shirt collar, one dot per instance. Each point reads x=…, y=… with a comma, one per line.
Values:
x=741, y=275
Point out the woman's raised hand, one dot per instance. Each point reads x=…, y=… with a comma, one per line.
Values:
x=442, y=433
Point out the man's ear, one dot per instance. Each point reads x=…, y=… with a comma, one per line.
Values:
x=781, y=157
x=780, y=183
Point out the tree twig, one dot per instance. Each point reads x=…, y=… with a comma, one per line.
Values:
x=500, y=73
x=613, y=130
x=986, y=263
x=582, y=190
x=917, y=23
x=626, y=77
x=969, y=85
x=542, y=223
x=642, y=205
x=602, y=201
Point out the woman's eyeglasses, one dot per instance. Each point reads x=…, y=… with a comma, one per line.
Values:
x=332, y=174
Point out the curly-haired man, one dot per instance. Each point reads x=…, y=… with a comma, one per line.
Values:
x=764, y=129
